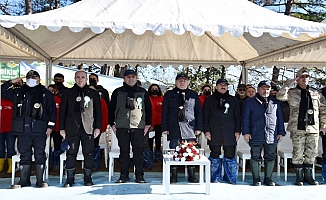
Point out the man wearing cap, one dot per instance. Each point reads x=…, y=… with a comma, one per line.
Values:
x=222, y=127
x=130, y=117
x=307, y=119
x=80, y=121
x=262, y=128
x=33, y=120
x=181, y=118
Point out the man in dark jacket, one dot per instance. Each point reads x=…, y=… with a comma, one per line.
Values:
x=222, y=127
x=80, y=122
x=130, y=117
x=181, y=118
x=33, y=120
x=263, y=128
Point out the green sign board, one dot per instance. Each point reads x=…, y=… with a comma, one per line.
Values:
x=9, y=70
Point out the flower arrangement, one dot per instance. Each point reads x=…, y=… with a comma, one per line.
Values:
x=186, y=152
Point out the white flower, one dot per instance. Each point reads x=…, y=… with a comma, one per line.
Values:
x=87, y=99
x=183, y=159
x=177, y=148
x=190, y=154
x=177, y=159
x=184, y=146
x=188, y=150
x=175, y=154
x=185, y=154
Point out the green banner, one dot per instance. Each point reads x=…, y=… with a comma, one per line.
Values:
x=9, y=70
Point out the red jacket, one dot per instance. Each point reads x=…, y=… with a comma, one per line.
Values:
x=6, y=111
x=156, y=109
x=57, y=101
x=105, y=115
x=202, y=99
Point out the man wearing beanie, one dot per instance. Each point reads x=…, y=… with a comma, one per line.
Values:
x=33, y=120
x=222, y=127
x=263, y=128
x=80, y=121
x=130, y=117
x=182, y=119
x=307, y=119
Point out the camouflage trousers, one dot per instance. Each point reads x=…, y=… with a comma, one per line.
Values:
x=305, y=147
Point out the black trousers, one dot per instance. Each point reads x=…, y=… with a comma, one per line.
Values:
x=229, y=151
x=29, y=144
x=87, y=142
x=97, y=140
x=158, y=136
x=57, y=139
x=135, y=137
x=269, y=152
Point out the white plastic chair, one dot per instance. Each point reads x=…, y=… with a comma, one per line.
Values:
x=104, y=145
x=243, y=154
x=63, y=157
x=284, y=152
x=114, y=152
x=16, y=159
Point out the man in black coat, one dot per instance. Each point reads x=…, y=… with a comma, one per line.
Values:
x=182, y=119
x=130, y=117
x=33, y=121
x=80, y=122
x=222, y=127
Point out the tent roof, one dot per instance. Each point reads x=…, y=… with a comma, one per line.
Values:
x=206, y=32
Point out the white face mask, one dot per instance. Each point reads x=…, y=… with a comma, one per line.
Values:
x=31, y=82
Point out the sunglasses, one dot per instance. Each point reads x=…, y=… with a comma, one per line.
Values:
x=242, y=89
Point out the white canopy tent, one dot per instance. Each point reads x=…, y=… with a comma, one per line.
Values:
x=205, y=32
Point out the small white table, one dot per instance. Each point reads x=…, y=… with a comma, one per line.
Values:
x=202, y=162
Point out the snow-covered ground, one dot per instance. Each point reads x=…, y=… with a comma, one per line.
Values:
x=154, y=189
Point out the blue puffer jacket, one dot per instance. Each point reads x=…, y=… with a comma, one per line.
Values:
x=263, y=125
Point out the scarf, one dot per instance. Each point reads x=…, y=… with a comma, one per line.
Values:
x=305, y=117
x=264, y=100
x=80, y=98
x=130, y=101
x=35, y=109
x=221, y=99
x=181, y=103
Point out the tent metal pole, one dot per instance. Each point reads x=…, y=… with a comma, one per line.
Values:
x=49, y=73
x=244, y=73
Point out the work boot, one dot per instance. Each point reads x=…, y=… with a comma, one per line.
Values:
x=230, y=170
x=123, y=178
x=174, y=175
x=9, y=166
x=88, y=177
x=191, y=175
x=255, y=173
x=216, y=170
x=140, y=178
x=70, y=178
x=308, y=174
x=2, y=162
x=25, y=173
x=269, y=167
x=39, y=169
x=299, y=175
